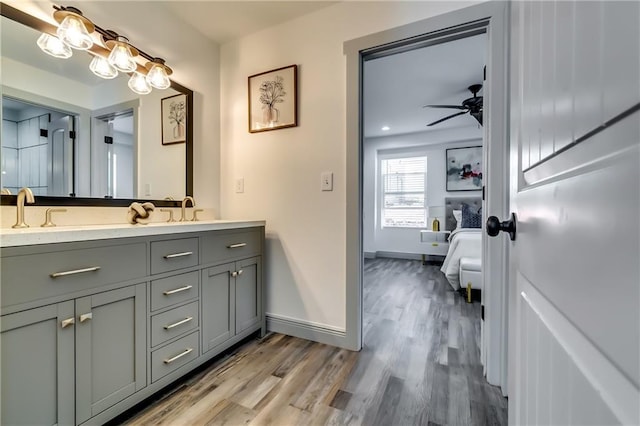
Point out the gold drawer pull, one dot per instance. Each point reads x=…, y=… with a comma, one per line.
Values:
x=175, y=324
x=86, y=317
x=237, y=245
x=177, y=290
x=240, y=272
x=76, y=271
x=174, y=255
x=186, y=352
x=66, y=323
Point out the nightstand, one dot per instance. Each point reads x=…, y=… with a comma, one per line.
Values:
x=434, y=243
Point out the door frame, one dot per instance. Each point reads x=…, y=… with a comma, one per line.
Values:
x=493, y=17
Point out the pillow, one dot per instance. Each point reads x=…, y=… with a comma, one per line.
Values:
x=471, y=218
x=457, y=215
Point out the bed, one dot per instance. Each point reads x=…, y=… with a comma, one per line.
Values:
x=464, y=243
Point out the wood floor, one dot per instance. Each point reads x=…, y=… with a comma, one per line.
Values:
x=420, y=364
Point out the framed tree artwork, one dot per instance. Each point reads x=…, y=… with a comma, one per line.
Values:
x=464, y=169
x=273, y=99
x=174, y=119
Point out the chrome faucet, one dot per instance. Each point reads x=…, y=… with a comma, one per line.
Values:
x=184, y=206
x=22, y=194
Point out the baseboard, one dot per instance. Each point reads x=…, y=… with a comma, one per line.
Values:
x=369, y=254
x=320, y=333
x=398, y=255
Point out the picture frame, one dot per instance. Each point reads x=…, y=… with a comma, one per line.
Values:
x=174, y=110
x=464, y=169
x=273, y=99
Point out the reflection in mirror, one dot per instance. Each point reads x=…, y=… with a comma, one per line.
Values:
x=36, y=149
x=77, y=162
x=115, y=131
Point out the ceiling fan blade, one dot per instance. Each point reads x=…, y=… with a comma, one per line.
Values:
x=445, y=106
x=446, y=118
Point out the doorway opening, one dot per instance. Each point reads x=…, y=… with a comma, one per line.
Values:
x=422, y=172
x=115, y=131
x=487, y=18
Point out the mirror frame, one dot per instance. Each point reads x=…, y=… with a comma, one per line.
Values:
x=45, y=200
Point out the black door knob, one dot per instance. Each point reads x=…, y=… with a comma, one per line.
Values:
x=494, y=226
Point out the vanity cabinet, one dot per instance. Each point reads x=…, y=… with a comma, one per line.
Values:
x=91, y=347
x=38, y=366
x=110, y=345
x=89, y=329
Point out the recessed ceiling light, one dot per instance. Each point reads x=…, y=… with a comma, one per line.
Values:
x=385, y=128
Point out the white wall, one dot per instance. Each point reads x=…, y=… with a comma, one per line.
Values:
x=305, y=262
x=432, y=144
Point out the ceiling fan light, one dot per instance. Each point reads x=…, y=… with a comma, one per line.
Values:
x=73, y=31
x=53, y=46
x=138, y=84
x=102, y=68
x=158, y=75
x=122, y=54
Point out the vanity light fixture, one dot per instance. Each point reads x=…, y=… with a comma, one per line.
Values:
x=138, y=83
x=158, y=73
x=122, y=54
x=115, y=53
x=53, y=46
x=74, y=30
x=101, y=67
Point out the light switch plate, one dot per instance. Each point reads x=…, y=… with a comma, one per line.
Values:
x=326, y=181
x=239, y=185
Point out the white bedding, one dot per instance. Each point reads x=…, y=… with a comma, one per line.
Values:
x=463, y=242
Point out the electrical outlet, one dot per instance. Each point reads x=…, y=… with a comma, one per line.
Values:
x=147, y=189
x=326, y=181
x=239, y=185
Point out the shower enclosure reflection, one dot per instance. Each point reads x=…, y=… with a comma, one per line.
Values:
x=37, y=149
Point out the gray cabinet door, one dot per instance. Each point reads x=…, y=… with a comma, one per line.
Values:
x=38, y=366
x=217, y=306
x=110, y=348
x=248, y=292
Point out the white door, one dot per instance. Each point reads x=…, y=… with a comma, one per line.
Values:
x=575, y=188
x=61, y=160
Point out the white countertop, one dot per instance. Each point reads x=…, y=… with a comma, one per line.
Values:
x=64, y=234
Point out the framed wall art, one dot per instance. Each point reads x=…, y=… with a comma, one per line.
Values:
x=464, y=169
x=174, y=119
x=273, y=100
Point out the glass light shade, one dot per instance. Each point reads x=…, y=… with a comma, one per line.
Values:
x=138, y=83
x=102, y=68
x=54, y=46
x=121, y=58
x=158, y=78
x=73, y=32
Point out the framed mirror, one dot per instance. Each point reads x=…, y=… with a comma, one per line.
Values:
x=77, y=139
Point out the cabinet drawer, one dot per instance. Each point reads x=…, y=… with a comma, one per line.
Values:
x=223, y=246
x=39, y=276
x=172, y=290
x=173, y=356
x=173, y=254
x=173, y=323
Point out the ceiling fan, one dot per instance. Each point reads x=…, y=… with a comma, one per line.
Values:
x=473, y=106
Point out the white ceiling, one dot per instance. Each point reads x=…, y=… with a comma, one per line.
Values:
x=221, y=21
x=397, y=86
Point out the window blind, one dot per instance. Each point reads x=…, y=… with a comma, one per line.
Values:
x=404, y=192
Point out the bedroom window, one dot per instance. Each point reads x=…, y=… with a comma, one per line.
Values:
x=404, y=192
